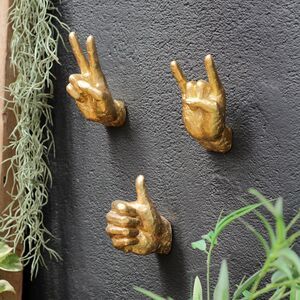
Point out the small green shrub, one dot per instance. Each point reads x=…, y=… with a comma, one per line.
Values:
x=279, y=276
x=9, y=262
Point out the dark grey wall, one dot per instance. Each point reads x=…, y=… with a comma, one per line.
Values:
x=256, y=48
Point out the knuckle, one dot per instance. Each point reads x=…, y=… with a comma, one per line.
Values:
x=117, y=243
x=127, y=242
x=108, y=230
x=114, y=203
x=72, y=78
x=122, y=207
x=118, y=204
x=128, y=221
x=109, y=216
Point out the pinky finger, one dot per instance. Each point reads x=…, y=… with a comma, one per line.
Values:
x=121, y=243
x=72, y=91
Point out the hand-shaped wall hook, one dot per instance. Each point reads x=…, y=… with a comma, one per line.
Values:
x=137, y=226
x=203, y=108
x=90, y=89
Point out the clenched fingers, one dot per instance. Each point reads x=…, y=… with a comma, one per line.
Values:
x=121, y=243
x=72, y=91
x=113, y=230
x=122, y=221
x=89, y=89
x=73, y=79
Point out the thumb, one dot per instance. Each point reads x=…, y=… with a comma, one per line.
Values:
x=141, y=190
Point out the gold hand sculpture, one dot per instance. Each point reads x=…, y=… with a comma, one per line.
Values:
x=203, y=108
x=137, y=226
x=90, y=89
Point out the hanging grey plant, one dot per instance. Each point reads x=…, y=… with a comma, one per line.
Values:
x=34, y=45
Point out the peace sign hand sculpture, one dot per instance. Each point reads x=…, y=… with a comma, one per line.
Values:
x=90, y=89
x=203, y=108
x=137, y=226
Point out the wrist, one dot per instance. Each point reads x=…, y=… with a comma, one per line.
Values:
x=221, y=144
x=120, y=113
x=165, y=241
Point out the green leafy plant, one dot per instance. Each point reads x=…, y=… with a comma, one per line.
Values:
x=34, y=45
x=279, y=276
x=9, y=262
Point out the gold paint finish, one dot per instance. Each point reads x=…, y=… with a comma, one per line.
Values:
x=90, y=89
x=137, y=226
x=203, y=108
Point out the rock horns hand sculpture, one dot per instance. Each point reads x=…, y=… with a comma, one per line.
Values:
x=203, y=108
x=90, y=89
x=137, y=226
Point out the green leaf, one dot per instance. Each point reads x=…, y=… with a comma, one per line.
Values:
x=292, y=257
x=280, y=224
x=197, y=291
x=4, y=250
x=223, y=223
x=267, y=204
x=279, y=207
x=295, y=294
x=276, y=211
x=294, y=221
x=267, y=226
x=11, y=263
x=5, y=286
x=221, y=291
x=278, y=293
x=200, y=245
x=149, y=294
x=292, y=238
x=245, y=286
x=208, y=237
x=281, y=265
x=246, y=294
x=278, y=276
x=259, y=236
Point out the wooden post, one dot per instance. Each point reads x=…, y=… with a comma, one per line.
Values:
x=7, y=123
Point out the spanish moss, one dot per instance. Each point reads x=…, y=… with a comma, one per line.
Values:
x=34, y=46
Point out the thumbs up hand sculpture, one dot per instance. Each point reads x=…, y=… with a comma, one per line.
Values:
x=203, y=108
x=137, y=226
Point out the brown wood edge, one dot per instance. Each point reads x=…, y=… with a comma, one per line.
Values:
x=7, y=123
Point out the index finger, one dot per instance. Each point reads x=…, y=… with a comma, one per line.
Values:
x=77, y=51
x=213, y=77
x=123, y=208
x=178, y=74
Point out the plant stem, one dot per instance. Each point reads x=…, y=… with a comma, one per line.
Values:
x=208, y=261
x=286, y=294
x=271, y=287
x=262, y=274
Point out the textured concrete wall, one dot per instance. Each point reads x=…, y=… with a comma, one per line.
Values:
x=256, y=48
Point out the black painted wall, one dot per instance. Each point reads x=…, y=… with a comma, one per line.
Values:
x=257, y=52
